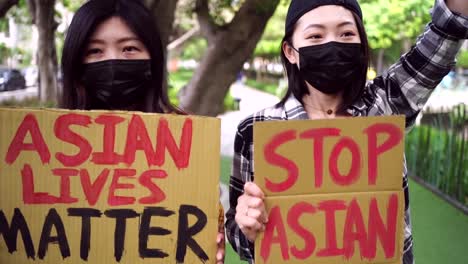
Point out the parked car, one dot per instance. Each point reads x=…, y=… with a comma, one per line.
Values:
x=11, y=79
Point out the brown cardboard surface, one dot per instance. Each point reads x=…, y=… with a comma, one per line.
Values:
x=309, y=212
x=301, y=151
x=165, y=198
x=359, y=159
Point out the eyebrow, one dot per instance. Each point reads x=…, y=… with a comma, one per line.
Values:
x=320, y=26
x=122, y=40
x=128, y=39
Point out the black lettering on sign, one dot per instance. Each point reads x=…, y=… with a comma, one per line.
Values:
x=121, y=216
x=10, y=233
x=186, y=233
x=146, y=231
x=53, y=220
x=85, y=214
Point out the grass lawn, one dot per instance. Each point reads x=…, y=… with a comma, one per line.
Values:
x=440, y=231
x=231, y=256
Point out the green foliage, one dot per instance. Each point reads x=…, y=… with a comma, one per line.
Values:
x=387, y=23
x=24, y=56
x=462, y=59
x=177, y=80
x=269, y=45
x=73, y=5
x=32, y=102
x=4, y=52
x=229, y=103
x=439, y=156
x=390, y=21
x=264, y=7
x=222, y=11
x=20, y=13
x=194, y=49
x=3, y=24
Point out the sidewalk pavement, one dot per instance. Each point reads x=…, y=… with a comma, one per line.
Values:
x=251, y=100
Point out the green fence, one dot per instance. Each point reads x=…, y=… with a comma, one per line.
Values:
x=437, y=153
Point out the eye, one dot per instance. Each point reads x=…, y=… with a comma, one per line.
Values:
x=348, y=34
x=130, y=49
x=93, y=51
x=314, y=36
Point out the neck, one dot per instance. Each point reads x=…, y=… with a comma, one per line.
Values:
x=321, y=105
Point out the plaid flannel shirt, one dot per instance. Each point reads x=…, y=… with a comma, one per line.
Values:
x=402, y=90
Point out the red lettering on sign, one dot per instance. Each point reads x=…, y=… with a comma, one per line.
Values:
x=395, y=136
x=28, y=125
x=65, y=195
x=272, y=157
x=378, y=230
x=354, y=171
x=330, y=207
x=275, y=222
x=138, y=139
x=318, y=135
x=108, y=155
x=294, y=215
x=93, y=190
x=165, y=140
x=157, y=195
x=29, y=195
x=63, y=132
x=115, y=185
x=354, y=230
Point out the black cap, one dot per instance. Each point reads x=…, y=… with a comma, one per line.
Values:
x=298, y=8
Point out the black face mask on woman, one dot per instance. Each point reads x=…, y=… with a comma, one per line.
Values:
x=331, y=67
x=117, y=84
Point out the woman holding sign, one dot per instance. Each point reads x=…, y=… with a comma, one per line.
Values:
x=325, y=53
x=113, y=59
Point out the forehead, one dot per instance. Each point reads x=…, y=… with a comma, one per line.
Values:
x=326, y=15
x=112, y=28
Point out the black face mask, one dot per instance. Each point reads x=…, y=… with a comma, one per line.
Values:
x=331, y=67
x=117, y=84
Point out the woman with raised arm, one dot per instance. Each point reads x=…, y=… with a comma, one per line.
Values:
x=325, y=53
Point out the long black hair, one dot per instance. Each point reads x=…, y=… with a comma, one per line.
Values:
x=297, y=85
x=84, y=23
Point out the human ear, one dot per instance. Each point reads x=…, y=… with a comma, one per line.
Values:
x=290, y=53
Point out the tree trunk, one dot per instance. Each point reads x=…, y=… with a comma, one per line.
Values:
x=229, y=46
x=164, y=15
x=5, y=5
x=47, y=55
x=380, y=61
x=176, y=47
x=406, y=45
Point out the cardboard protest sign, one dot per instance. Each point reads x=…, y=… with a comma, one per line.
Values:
x=333, y=190
x=107, y=187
